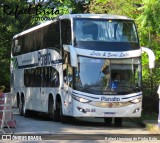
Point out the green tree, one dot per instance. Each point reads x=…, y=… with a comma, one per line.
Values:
x=12, y=23
x=149, y=31
x=8, y=27
x=120, y=7
x=147, y=18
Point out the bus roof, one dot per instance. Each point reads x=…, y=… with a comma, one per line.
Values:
x=33, y=28
x=97, y=16
x=71, y=16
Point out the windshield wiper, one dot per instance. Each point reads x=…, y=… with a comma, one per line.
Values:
x=75, y=42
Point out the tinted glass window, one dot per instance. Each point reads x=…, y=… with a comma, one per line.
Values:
x=66, y=31
x=108, y=76
x=45, y=37
x=41, y=77
x=105, y=30
x=67, y=70
x=52, y=35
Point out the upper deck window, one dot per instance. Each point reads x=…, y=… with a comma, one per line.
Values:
x=105, y=30
x=45, y=37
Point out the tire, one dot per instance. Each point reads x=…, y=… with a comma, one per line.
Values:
x=108, y=121
x=21, y=106
x=26, y=113
x=64, y=119
x=53, y=114
x=118, y=122
x=22, y=110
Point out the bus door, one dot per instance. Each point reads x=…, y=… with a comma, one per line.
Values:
x=67, y=88
x=67, y=99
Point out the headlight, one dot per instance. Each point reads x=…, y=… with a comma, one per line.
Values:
x=80, y=99
x=137, y=100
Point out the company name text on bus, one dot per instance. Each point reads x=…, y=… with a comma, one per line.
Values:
x=44, y=58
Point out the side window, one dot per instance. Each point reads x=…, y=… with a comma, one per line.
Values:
x=16, y=46
x=28, y=78
x=30, y=42
x=66, y=32
x=54, y=82
x=39, y=39
x=32, y=81
x=37, y=77
x=45, y=76
x=22, y=44
x=67, y=71
x=41, y=77
x=27, y=45
x=50, y=77
x=31, y=78
x=57, y=35
x=52, y=35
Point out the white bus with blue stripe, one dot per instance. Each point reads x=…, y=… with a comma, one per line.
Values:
x=79, y=65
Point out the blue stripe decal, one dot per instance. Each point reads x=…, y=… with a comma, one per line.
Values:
x=57, y=61
x=132, y=96
x=98, y=98
x=28, y=66
x=85, y=95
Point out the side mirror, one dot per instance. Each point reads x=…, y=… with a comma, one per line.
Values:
x=158, y=91
x=151, y=57
x=73, y=54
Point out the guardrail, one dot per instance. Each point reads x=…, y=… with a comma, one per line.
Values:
x=6, y=114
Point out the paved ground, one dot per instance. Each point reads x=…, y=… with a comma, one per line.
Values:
x=88, y=131
x=42, y=125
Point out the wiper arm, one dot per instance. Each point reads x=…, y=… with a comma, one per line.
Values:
x=75, y=42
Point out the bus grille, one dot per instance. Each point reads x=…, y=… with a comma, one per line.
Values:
x=110, y=104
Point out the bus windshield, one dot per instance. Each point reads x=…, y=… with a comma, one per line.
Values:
x=108, y=76
x=105, y=30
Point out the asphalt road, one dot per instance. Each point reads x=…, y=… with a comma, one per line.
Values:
x=41, y=124
x=77, y=130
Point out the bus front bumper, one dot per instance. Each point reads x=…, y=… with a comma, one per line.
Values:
x=106, y=110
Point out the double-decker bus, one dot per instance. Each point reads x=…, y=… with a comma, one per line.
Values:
x=79, y=65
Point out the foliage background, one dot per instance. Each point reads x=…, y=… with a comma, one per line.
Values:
x=146, y=14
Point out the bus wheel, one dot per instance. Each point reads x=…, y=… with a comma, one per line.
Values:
x=108, y=121
x=22, y=110
x=21, y=106
x=64, y=119
x=53, y=114
x=118, y=122
x=27, y=113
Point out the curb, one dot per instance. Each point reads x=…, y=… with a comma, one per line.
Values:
x=152, y=126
